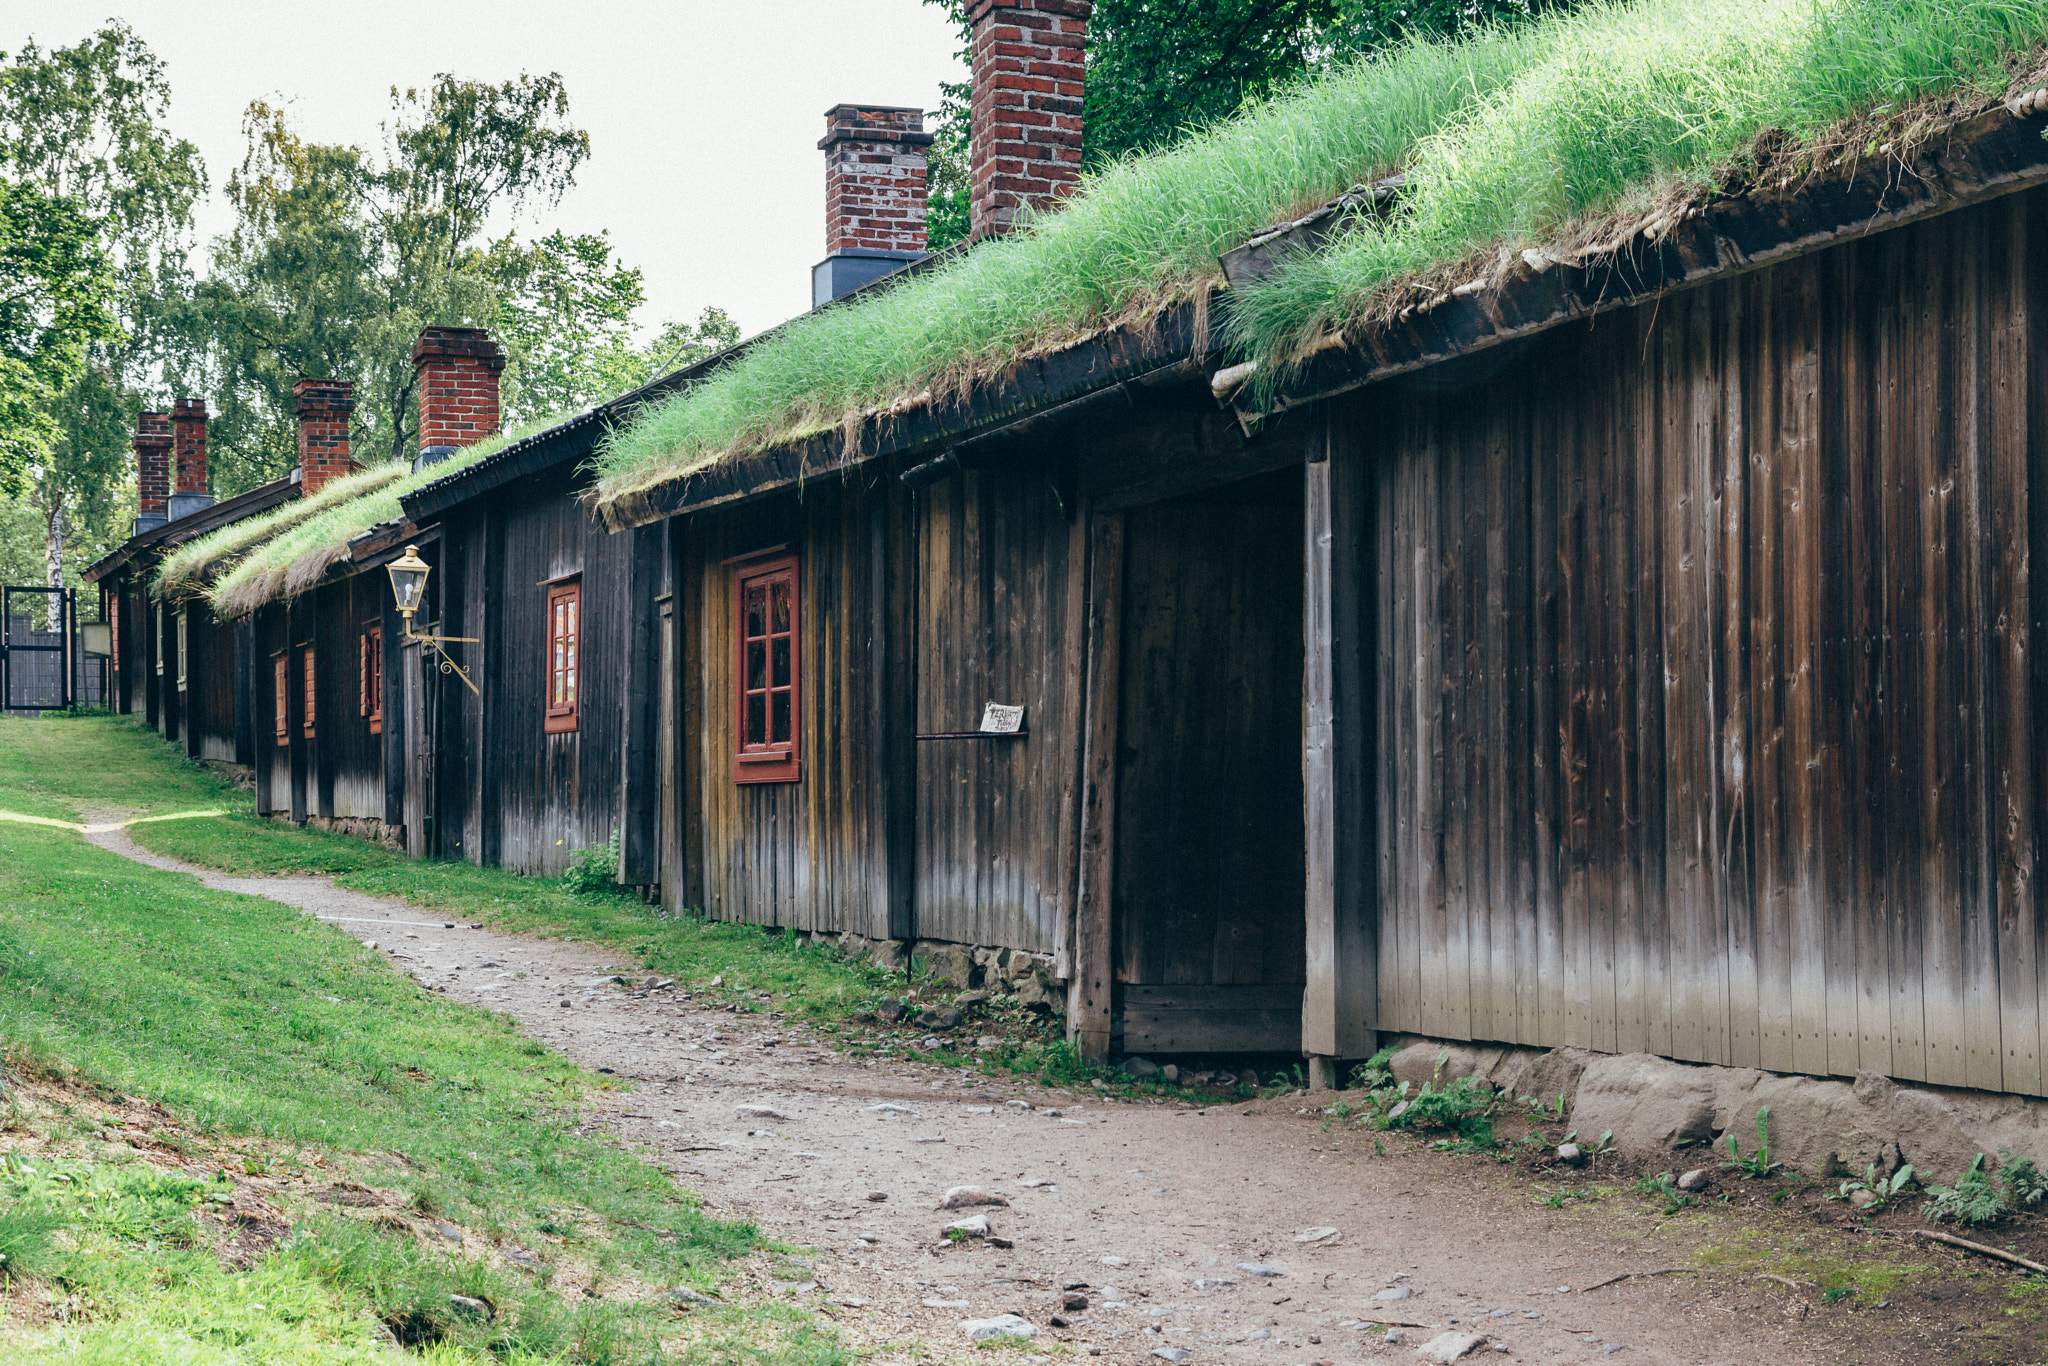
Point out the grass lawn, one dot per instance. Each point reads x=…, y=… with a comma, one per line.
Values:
x=251, y=1040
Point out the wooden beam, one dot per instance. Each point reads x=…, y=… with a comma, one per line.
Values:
x=1090, y=997
x=246, y=711
x=393, y=628
x=639, y=736
x=296, y=744
x=892, y=675
x=263, y=708
x=1339, y=1005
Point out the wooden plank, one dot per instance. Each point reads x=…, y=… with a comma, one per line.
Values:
x=1090, y=997
x=2032, y=298
x=1339, y=1013
x=640, y=734
x=696, y=812
x=1737, y=1023
x=395, y=721
x=2008, y=499
x=1213, y=1019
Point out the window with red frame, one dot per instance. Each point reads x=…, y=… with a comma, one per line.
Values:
x=565, y=627
x=282, y=710
x=767, y=691
x=307, y=656
x=370, y=689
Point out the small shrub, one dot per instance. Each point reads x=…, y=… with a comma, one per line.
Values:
x=1459, y=1106
x=1759, y=1163
x=26, y=1234
x=1885, y=1188
x=593, y=871
x=1974, y=1199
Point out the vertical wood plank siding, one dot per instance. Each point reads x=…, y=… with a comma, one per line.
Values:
x=1707, y=688
x=796, y=854
x=996, y=623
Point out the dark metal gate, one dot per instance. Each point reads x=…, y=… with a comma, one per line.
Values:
x=37, y=668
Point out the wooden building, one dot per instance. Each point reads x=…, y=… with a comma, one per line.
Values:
x=1633, y=655
x=174, y=662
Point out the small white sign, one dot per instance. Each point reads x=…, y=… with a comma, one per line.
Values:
x=998, y=719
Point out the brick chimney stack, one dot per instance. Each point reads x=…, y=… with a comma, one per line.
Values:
x=874, y=195
x=152, y=471
x=323, y=406
x=192, y=490
x=457, y=372
x=1028, y=70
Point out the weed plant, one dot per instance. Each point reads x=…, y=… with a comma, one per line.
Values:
x=1757, y=1165
x=1509, y=138
x=1980, y=1196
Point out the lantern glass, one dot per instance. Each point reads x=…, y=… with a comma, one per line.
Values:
x=409, y=581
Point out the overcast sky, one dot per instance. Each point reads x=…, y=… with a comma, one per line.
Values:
x=703, y=116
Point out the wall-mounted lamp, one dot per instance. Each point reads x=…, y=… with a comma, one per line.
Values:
x=409, y=585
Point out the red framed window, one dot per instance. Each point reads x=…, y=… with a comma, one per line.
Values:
x=370, y=689
x=565, y=665
x=768, y=663
x=307, y=656
x=281, y=709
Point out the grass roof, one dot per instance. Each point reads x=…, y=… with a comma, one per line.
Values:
x=1510, y=138
x=294, y=559
x=184, y=571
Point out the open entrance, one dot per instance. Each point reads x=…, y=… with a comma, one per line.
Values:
x=1209, y=878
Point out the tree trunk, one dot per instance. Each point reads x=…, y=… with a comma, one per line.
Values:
x=53, y=550
x=401, y=401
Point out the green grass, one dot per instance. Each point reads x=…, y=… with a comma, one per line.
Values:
x=1509, y=137
x=271, y=1036
x=184, y=565
x=293, y=559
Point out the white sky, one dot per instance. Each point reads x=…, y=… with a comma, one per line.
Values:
x=704, y=115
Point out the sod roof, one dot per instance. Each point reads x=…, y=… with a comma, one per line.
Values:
x=1511, y=141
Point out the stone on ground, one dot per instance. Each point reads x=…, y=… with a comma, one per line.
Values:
x=964, y=1197
x=1001, y=1326
x=1447, y=1347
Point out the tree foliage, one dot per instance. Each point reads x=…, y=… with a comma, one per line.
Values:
x=339, y=255
x=1161, y=69
x=99, y=209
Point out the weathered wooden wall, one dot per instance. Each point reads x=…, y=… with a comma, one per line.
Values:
x=805, y=854
x=999, y=605
x=1707, y=702
x=525, y=799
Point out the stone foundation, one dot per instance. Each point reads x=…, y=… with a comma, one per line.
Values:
x=965, y=967
x=361, y=827
x=1670, y=1113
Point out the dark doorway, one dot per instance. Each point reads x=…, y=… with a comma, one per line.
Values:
x=1210, y=872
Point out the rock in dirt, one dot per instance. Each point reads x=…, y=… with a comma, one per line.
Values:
x=473, y=1307
x=1571, y=1154
x=1173, y=1354
x=1316, y=1235
x=1400, y=1109
x=965, y=1197
x=987, y=1043
x=759, y=1112
x=892, y=1009
x=1141, y=1067
x=1001, y=1326
x=1395, y=1337
x=1073, y=1299
x=1695, y=1180
x=1214, y=1282
x=938, y=1017
x=1448, y=1347
x=970, y=1000
x=878, y=1196
x=1863, y=1199
x=1394, y=1292
x=448, y=1232
x=1259, y=1269
x=973, y=1226
x=682, y=1294
x=1172, y=1074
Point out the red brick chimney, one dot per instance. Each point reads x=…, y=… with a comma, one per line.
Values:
x=874, y=195
x=192, y=491
x=1026, y=148
x=323, y=406
x=152, y=471
x=457, y=372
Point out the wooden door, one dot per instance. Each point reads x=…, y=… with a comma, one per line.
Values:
x=1208, y=886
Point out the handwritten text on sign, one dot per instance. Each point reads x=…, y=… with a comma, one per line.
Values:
x=998, y=719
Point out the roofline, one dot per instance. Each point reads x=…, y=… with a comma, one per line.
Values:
x=244, y=504
x=518, y=459
x=1978, y=159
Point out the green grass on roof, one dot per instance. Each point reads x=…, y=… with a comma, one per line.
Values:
x=1637, y=103
x=294, y=560
x=184, y=568
x=1510, y=137
x=1140, y=235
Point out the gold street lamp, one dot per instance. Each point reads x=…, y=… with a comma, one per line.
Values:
x=409, y=585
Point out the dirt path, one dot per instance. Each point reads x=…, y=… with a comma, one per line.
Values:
x=1163, y=1211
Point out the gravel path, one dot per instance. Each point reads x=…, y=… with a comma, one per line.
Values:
x=1235, y=1233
